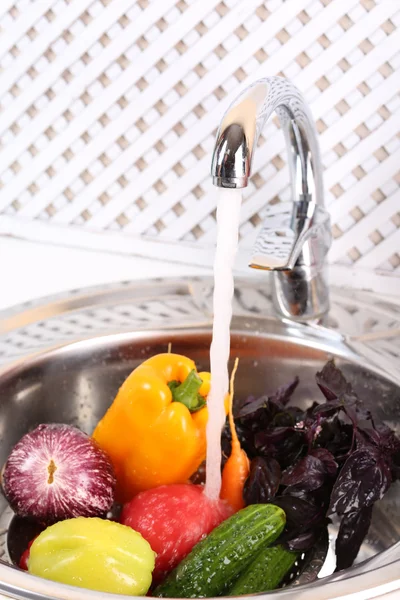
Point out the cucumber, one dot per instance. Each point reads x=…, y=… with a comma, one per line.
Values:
x=266, y=571
x=217, y=560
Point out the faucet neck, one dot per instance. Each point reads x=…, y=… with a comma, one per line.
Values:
x=242, y=124
x=294, y=241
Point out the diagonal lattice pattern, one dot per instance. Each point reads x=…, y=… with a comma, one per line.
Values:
x=108, y=112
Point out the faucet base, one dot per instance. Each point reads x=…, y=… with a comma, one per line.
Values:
x=301, y=294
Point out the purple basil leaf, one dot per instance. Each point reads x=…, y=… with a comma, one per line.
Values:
x=367, y=436
x=327, y=459
x=246, y=438
x=269, y=439
x=285, y=444
x=283, y=419
x=303, y=541
x=308, y=473
x=300, y=514
x=381, y=436
x=396, y=469
x=255, y=415
x=248, y=400
x=336, y=437
x=328, y=409
x=396, y=465
x=263, y=481
x=252, y=405
x=388, y=440
x=284, y=393
x=353, y=529
x=363, y=479
x=258, y=413
x=340, y=395
x=352, y=414
x=319, y=497
x=384, y=439
x=332, y=382
x=295, y=413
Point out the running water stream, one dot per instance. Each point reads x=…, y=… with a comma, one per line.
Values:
x=228, y=212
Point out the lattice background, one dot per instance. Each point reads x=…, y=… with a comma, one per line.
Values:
x=109, y=108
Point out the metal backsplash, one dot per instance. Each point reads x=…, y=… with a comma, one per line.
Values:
x=108, y=111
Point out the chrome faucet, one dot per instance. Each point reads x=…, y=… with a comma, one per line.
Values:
x=295, y=237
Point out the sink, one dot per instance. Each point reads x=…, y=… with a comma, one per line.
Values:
x=63, y=358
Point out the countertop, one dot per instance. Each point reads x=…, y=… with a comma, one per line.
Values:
x=30, y=270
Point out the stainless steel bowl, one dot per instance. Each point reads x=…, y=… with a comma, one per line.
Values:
x=62, y=360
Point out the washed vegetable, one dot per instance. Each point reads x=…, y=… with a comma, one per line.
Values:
x=236, y=468
x=173, y=518
x=307, y=465
x=215, y=562
x=265, y=572
x=154, y=431
x=23, y=561
x=331, y=459
x=353, y=529
x=57, y=472
x=263, y=481
x=95, y=554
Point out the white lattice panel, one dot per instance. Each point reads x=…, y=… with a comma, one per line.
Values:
x=109, y=108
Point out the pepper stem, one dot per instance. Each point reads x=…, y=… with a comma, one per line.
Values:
x=187, y=392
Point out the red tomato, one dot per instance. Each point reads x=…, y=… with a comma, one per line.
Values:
x=173, y=518
x=23, y=561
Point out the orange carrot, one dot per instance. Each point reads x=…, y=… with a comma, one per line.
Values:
x=237, y=467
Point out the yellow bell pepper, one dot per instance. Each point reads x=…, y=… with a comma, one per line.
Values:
x=154, y=432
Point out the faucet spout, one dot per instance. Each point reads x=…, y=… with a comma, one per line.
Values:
x=295, y=237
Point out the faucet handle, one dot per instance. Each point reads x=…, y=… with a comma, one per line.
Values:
x=296, y=233
x=294, y=242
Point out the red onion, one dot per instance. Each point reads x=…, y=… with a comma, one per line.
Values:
x=57, y=472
